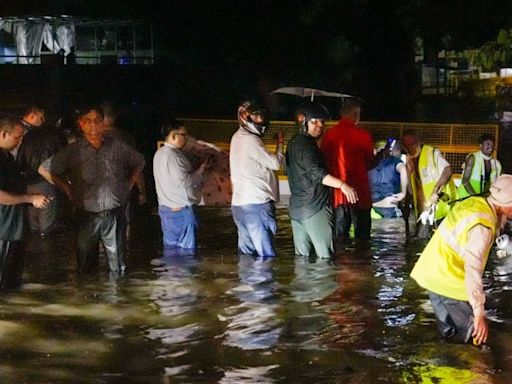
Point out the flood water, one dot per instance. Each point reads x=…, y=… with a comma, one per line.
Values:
x=220, y=318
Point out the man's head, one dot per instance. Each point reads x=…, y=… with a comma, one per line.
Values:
x=90, y=120
x=487, y=144
x=251, y=116
x=175, y=133
x=393, y=147
x=311, y=118
x=351, y=109
x=411, y=143
x=109, y=114
x=11, y=133
x=34, y=116
x=501, y=195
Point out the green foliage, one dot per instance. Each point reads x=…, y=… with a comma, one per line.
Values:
x=495, y=54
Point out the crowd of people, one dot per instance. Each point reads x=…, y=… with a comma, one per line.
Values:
x=337, y=180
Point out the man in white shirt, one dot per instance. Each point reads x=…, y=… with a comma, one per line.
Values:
x=254, y=181
x=178, y=189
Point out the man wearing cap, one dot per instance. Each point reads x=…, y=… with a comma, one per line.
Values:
x=254, y=181
x=310, y=207
x=452, y=263
x=388, y=181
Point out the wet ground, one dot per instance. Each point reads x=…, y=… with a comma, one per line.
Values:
x=220, y=318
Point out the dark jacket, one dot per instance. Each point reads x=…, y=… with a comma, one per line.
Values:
x=306, y=169
x=38, y=145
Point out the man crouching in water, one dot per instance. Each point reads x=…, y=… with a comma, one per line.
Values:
x=452, y=264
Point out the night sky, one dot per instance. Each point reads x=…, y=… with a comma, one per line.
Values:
x=212, y=53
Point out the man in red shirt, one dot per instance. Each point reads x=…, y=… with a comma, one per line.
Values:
x=348, y=152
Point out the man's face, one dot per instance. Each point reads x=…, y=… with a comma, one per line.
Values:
x=36, y=118
x=179, y=138
x=356, y=115
x=487, y=147
x=315, y=127
x=93, y=127
x=39, y=118
x=257, y=119
x=10, y=140
x=411, y=144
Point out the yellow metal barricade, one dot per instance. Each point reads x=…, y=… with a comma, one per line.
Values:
x=454, y=140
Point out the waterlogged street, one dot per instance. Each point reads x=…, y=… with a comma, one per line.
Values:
x=220, y=318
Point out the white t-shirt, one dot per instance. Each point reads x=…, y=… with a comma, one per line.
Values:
x=253, y=170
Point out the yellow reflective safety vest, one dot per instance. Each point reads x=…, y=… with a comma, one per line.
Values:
x=429, y=174
x=477, y=179
x=440, y=268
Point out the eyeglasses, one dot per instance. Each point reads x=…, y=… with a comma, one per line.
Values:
x=88, y=120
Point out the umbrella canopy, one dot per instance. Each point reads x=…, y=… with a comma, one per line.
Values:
x=308, y=92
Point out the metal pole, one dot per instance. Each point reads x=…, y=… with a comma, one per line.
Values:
x=96, y=44
x=134, y=46
x=152, y=48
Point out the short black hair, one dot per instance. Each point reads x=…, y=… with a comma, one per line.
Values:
x=32, y=108
x=349, y=104
x=86, y=108
x=486, y=137
x=411, y=132
x=169, y=126
x=8, y=123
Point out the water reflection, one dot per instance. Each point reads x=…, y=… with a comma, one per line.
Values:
x=253, y=323
x=220, y=318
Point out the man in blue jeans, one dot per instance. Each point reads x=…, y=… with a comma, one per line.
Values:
x=178, y=189
x=254, y=181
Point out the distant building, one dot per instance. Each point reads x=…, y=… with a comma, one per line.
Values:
x=72, y=40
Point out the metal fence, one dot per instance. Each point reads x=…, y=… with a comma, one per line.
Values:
x=454, y=140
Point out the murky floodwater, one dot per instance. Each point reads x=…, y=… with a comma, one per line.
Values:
x=220, y=318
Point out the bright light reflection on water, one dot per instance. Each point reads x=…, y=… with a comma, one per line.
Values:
x=220, y=318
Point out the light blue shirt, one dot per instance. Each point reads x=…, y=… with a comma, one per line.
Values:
x=176, y=184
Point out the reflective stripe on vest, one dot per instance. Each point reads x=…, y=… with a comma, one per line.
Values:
x=478, y=174
x=440, y=267
x=429, y=176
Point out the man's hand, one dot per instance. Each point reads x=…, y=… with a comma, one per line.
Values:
x=279, y=141
x=389, y=202
x=205, y=164
x=434, y=197
x=480, y=331
x=39, y=201
x=349, y=192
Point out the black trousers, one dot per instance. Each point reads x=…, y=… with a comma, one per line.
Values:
x=346, y=215
x=454, y=318
x=107, y=227
x=12, y=260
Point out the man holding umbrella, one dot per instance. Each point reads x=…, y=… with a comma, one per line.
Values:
x=310, y=203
